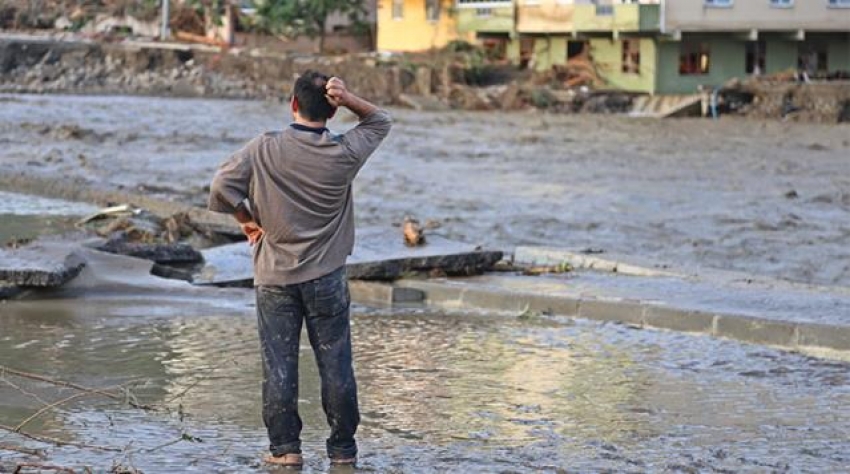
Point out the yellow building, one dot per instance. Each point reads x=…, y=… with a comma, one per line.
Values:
x=416, y=25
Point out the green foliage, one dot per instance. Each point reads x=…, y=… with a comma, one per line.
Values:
x=295, y=18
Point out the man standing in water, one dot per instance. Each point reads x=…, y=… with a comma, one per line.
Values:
x=291, y=193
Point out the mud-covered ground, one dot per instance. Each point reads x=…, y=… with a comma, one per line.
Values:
x=767, y=198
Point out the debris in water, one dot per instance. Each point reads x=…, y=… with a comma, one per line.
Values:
x=413, y=233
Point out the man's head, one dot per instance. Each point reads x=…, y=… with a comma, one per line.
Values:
x=308, y=98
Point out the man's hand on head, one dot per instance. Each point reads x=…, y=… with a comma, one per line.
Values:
x=253, y=231
x=337, y=93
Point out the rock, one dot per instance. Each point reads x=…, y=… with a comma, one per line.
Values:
x=39, y=264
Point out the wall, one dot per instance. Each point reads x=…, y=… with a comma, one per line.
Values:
x=839, y=52
x=549, y=51
x=726, y=61
x=781, y=55
x=544, y=16
x=607, y=54
x=414, y=32
x=628, y=17
x=743, y=15
x=501, y=20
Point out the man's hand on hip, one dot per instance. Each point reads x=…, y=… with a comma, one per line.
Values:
x=252, y=231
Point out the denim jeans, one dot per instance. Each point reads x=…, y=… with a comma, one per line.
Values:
x=324, y=304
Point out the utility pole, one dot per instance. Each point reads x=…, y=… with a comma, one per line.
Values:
x=163, y=32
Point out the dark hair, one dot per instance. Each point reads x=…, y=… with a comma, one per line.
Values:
x=310, y=93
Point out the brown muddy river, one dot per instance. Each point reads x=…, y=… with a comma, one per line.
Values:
x=439, y=393
x=769, y=198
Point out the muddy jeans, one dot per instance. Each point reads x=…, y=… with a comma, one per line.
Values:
x=323, y=303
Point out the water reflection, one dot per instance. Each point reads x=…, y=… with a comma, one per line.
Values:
x=438, y=392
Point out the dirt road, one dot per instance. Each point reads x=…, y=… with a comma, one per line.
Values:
x=768, y=198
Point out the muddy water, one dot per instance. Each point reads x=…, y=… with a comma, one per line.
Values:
x=767, y=198
x=26, y=216
x=439, y=393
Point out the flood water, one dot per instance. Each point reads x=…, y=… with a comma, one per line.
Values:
x=448, y=392
x=439, y=393
x=767, y=198
x=26, y=216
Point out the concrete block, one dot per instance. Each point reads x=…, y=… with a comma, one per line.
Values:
x=436, y=292
x=365, y=292
x=379, y=254
x=818, y=335
x=676, y=319
x=757, y=330
x=40, y=265
x=611, y=310
x=560, y=305
x=497, y=300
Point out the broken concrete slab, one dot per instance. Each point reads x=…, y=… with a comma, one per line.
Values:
x=379, y=254
x=159, y=253
x=40, y=264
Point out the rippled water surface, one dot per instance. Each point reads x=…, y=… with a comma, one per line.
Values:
x=439, y=393
x=769, y=198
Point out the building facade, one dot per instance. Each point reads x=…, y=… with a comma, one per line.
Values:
x=417, y=25
x=653, y=46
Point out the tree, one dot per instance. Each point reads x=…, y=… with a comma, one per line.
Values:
x=293, y=18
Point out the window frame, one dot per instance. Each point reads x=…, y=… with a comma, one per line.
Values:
x=694, y=51
x=397, y=8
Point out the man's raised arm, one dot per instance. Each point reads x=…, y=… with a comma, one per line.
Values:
x=374, y=124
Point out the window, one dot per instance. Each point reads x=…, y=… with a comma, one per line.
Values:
x=432, y=10
x=839, y=3
x=718, y=3
x=631, y=56
x=755, y=57
x=483, y=12
x=398, y=9
x=782, y=3
x=694, y=59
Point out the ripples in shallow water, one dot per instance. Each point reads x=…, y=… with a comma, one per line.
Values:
x=438, y=392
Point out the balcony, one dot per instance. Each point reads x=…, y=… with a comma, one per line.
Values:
x=630, y=17
x=480, y=16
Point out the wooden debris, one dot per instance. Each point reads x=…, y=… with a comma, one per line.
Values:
x=413, y=232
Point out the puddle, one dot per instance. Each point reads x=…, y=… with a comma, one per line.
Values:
x=439, y=393
x=25, y=217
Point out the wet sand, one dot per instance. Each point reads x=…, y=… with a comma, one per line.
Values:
x=767, y=198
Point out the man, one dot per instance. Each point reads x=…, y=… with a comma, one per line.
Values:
x=291, y=193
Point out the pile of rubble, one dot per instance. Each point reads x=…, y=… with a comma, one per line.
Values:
x=790, y=97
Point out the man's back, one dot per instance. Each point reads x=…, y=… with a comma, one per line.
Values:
x=300, y=194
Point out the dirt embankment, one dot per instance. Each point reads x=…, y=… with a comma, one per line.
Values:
x=43, y=66
x=440, y=81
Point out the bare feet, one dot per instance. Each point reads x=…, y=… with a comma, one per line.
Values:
x=343, y=461
x=291, y=459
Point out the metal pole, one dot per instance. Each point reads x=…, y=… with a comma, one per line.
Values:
x=163, y=32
